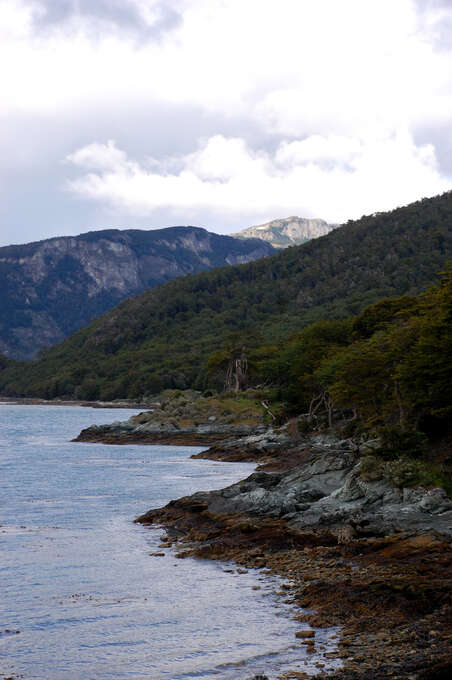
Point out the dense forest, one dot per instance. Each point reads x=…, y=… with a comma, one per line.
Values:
x=390, y=365
x=384, y=373
x=178, y=334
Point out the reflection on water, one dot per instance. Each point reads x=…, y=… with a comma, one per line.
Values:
x=77, y=577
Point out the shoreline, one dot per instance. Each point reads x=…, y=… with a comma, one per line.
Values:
x=32, y=401
x=384, y=594
x=172, y=439
x=381, y=575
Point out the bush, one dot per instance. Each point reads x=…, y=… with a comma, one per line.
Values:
x=372, y=468
x=404, y=472
x=396, y=442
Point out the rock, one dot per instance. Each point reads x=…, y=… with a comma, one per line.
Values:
x=288, y=231
x=325, y=490
x=435, y=501
x=345, y=535
x=61, y=284
x=305, y=633
x=186, y=417
x=369, y=446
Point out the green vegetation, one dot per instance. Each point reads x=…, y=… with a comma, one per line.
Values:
x=165, y=338
x=393, y=370
x=54, y=287
x=189, y=408
x=4, y=362
x=386, y=373
x=405, y=472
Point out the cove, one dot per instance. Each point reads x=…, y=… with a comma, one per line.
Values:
x=78, y=578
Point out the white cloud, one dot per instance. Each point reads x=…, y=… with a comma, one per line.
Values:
x=99, y=157
x=313, y=106
x=225, y=176
x=295, y=67
x=335, y=150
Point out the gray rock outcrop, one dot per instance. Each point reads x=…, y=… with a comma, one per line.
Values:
x=327, y=490
x=290, y=231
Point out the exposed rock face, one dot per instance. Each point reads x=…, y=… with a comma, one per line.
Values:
x=324, y=489
x=290, y=231
x=51, y=288
x=311, y=481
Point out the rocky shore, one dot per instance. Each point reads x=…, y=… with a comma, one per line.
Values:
x=183, y=418
x=358, y=550
x=369, y=557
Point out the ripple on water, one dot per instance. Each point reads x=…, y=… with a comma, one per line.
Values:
x=78, y=580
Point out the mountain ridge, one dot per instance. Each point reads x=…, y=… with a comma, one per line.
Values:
x=164, y=337
x=55, y=286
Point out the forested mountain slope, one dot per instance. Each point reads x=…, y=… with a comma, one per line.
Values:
x=53, y=287
x=163, y=338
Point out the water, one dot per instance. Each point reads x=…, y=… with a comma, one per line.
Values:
x=77, y=578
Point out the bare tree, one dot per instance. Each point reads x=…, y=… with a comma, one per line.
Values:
x=237, y=373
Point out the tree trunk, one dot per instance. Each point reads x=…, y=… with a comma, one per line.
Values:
x=402, y=414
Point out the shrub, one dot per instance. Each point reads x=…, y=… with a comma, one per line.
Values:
x=372, y=468
x=404, y=472
x=396, y=442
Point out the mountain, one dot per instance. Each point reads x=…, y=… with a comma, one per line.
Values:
x=164, y=337
x=291, y=231
x=53, y=287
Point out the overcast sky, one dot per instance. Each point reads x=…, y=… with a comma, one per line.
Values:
x=219, y=113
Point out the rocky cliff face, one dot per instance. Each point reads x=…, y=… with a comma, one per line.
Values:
x=290, y=231
x=53, y=287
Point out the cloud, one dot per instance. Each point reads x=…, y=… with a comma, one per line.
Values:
x=144, y=18
x=213, y=102
x=100, y=157
x=226, y=177
x=435, y=19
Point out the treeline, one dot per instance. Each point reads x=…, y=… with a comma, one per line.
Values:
x=390, y=366
x=164, y=338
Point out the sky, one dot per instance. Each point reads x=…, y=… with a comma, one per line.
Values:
x=219, y=113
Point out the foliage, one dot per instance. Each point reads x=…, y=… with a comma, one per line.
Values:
x=3, y=362
x=400, y=376
x=396, y=443
x=404, y=472
x=52, y=288
x=380, y=366
x=371, y=468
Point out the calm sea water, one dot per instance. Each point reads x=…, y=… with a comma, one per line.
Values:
x=77, y=578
